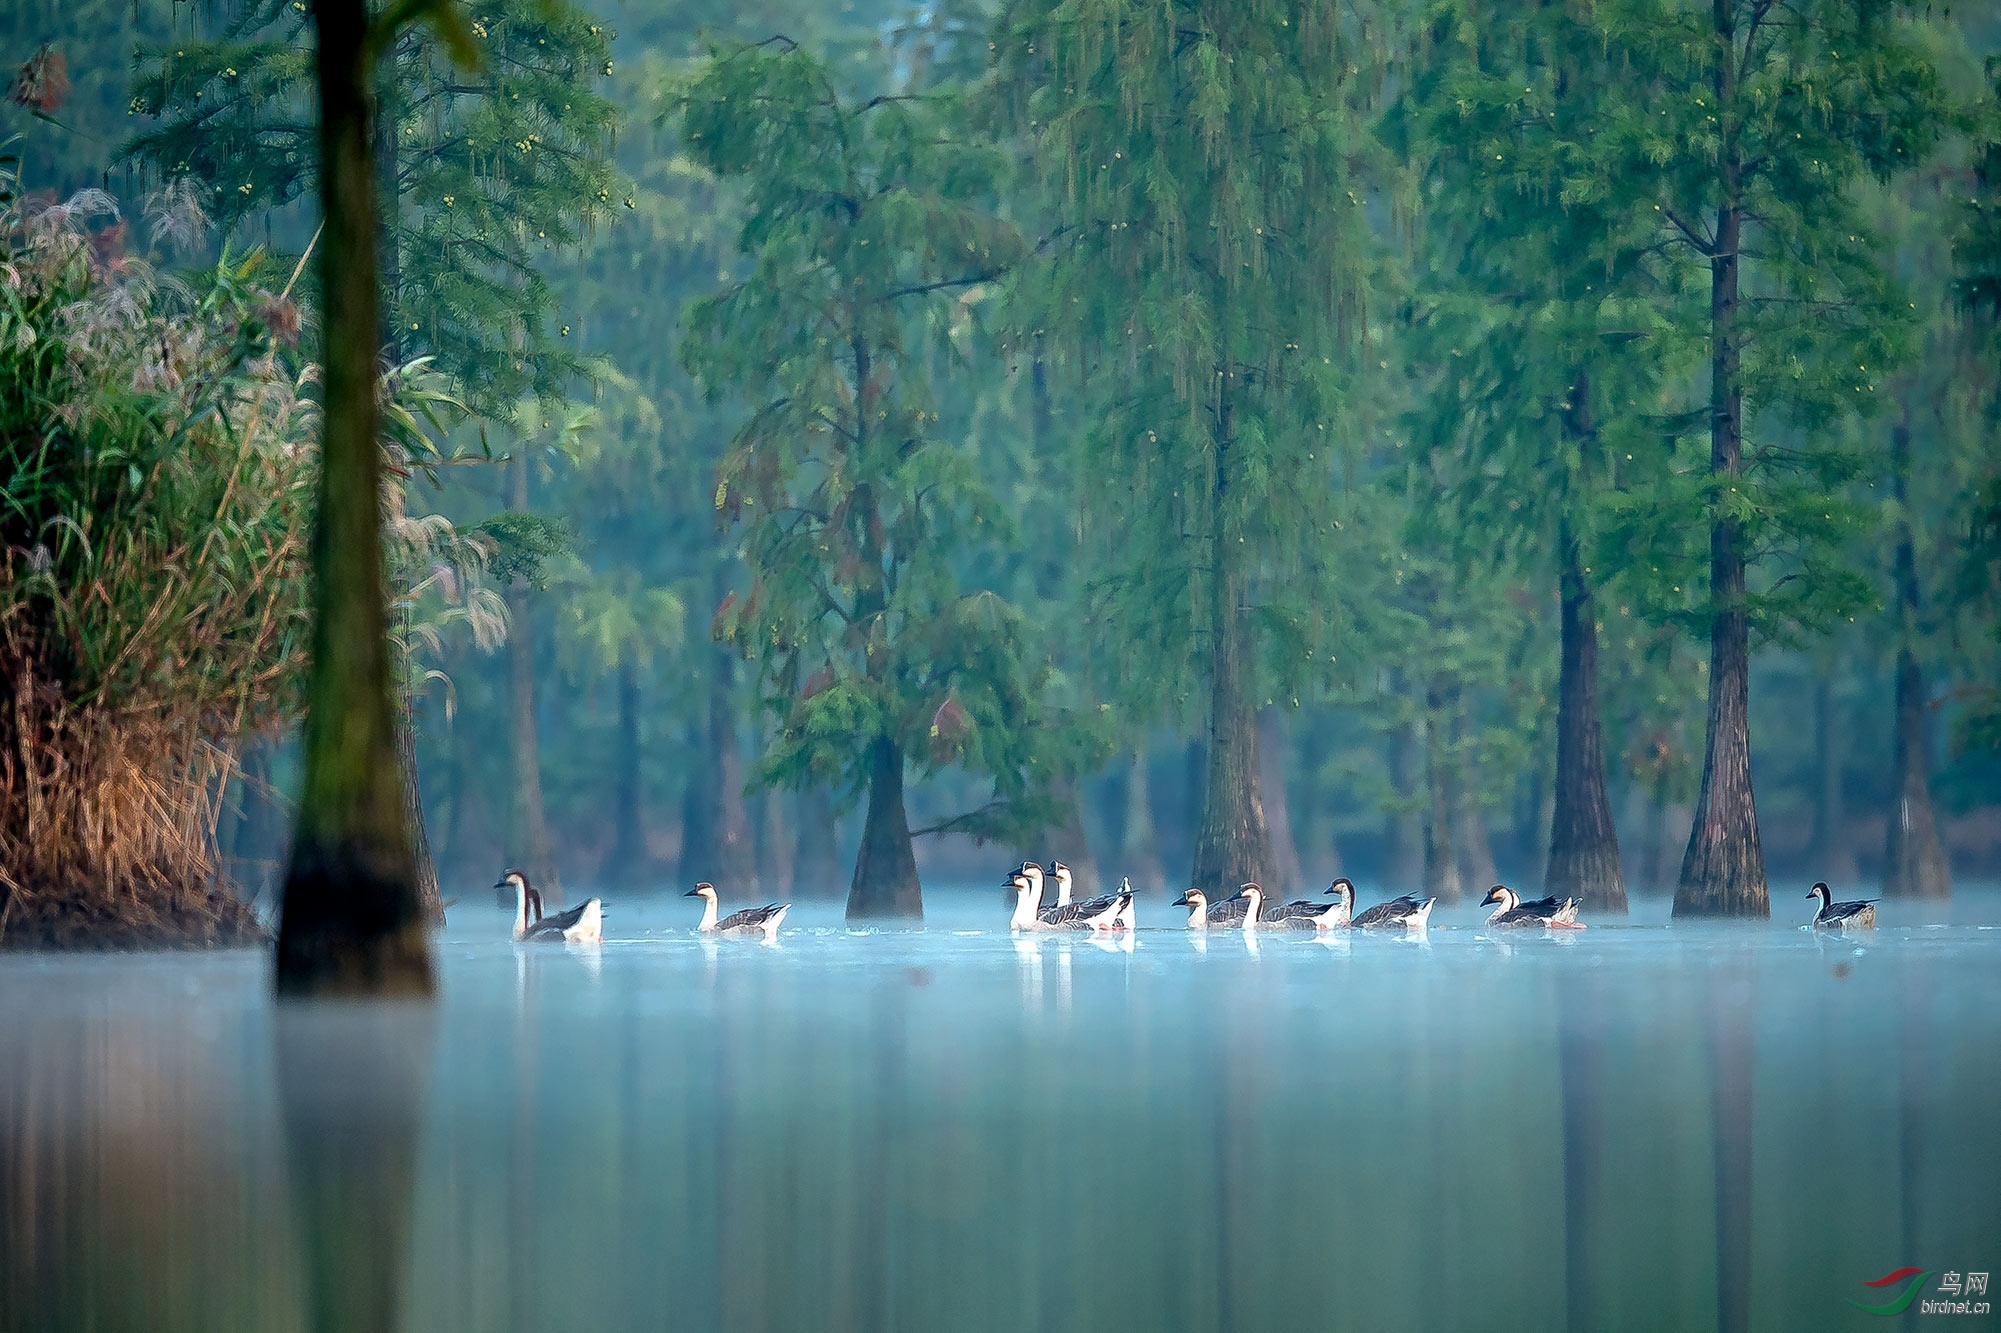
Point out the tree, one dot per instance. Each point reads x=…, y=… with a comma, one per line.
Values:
x=867, y=242
x=1206, y=257
x=1756, y=119
x=353, y=919
x=1537, y=293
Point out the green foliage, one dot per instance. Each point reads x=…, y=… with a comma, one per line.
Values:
x=870, y=243
x=492, y=163
x=1203, y=170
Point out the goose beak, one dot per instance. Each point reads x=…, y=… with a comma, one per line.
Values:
x=692, y=893
x=1182, y=901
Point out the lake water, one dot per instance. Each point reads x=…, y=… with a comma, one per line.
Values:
x=1641, y=1125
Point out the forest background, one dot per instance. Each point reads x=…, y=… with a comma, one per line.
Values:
x=649, y=695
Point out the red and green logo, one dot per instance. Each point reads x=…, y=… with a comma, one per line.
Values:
x=1916, y=1281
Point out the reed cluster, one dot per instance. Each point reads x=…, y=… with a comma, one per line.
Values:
x=156, y=478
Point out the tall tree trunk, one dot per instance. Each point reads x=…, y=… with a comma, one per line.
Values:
x=625, y=866
x=1232, y=844
x=1833, y=849
x=1914, y=862
x=353, y=920
x=816, y=865
x=1139, y=847
x=413, y=810
x=1583, y=843
x=1286, y=875
x=528, y=830
x=885, y=882
x=1441, y=863
x=1723, y=871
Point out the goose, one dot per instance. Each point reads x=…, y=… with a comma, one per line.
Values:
x=1408, y=911
x=750, y=921
x=1028, y=909
x=1092, y=912
x=1197, y=903
x=1304, y=912
x=1511, y=912
x=582, y=924
x=1839, y=916
x=1230, y=914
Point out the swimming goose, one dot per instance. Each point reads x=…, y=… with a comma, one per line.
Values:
x=1408, y=911
x=1107, y=911
x=1304, y=912
x=750, y=921
x=1512, y=912
x=1028, y=902
x=582, y=924
x=1839, y=916
x=1203, y=914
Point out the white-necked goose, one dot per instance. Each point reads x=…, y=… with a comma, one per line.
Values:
x=582, y=924
x=1304, y=912
x=1832, y=915
x=1406, y=911
x=763, y=920
x=1511, y=913
x=1107, y=911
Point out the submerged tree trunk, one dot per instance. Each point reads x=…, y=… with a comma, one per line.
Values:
x=625, y=866
x=1833, y=850
x=1914, y=862
x=1723, y=871
x=1583, y=842
x=1441, y=862
x=1286, y=875
x=528, y=830
x=1139, y=848
x=816, y=865
x=885, y=882
x=353, y=920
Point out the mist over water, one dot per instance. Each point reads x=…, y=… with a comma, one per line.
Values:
x=949, y=1128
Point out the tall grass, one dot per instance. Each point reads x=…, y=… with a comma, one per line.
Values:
x=155, y=484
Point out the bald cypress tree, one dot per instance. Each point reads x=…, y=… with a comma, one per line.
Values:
x=1206, y=253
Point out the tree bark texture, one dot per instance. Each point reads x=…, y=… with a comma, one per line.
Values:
x=1274, y=731
x=413, y=811
x=1914, y=861
x=885, y=882
x=1583, y=842
x=1723, y=870
x=528, y=845
x=353, y=920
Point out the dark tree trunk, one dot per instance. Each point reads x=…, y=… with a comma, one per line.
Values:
x=413, y=811
x=1441, y=862
x=1286, y=875
x=1914, y=862
x=1139, y=848
x=1723, y=871
x=1833, y=850
x=528, y=830
x=1232, y=844
x=1583, y=843
x=625, y=866
x=816, y=866
x=732, y=859
x=353, y=920
x=885, y=882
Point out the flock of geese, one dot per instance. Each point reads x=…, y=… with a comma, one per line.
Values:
x=1246, y=909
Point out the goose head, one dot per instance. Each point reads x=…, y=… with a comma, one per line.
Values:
x=1343, y=890
x=514, y=879
x=1504, y=895
x=1192, y=898
x=1060, y=873
x=1821, y=892
x=702, y=890
x=1250, y=892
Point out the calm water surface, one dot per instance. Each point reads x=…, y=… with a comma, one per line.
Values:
x=1637, y=1126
